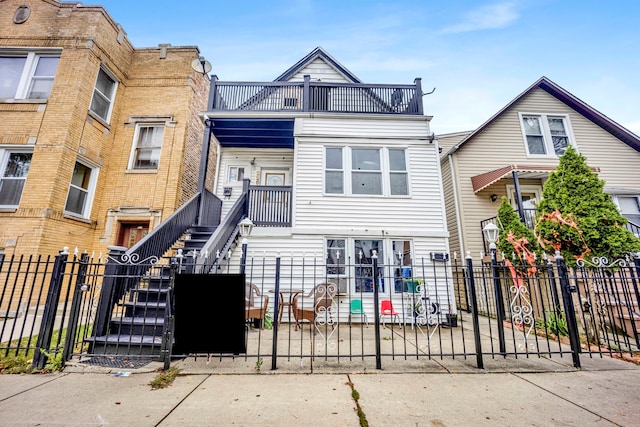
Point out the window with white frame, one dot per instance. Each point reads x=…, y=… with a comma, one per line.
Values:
x=236, y=174
x=334, y=173
x=147, y=147
x=81, y=190
x=103, y=95
x=27, y=75
x=366, y=171
x=545, y=135
x=398, y=173
x=14, y=168
x=630, y=208
x=374, y=171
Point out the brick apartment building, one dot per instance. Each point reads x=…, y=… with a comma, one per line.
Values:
x=99, y=141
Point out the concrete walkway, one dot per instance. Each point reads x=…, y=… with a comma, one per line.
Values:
x=604, y=392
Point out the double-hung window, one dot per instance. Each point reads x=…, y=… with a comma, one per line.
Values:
x=14, y=167
x=103, y=95
x=545, y=135
x=148, y=144
x=368, y=171
x=27, y=75
x=630, y=208
x=334, y=173
x=81, y=190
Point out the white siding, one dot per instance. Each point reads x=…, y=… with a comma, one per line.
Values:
x=319, y=69
x=264, y=159
x=421, y=212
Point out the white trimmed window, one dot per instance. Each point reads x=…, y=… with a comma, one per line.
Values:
x=27, y=75
x=545, y=135
x=334, y=172
x=81, y=189
x=373, y=171
x=103, y=95
x=630, y=208
x=15, y=168
x=236, y=174
x=147, y=146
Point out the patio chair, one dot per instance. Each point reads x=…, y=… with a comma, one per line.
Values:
x=386, y=309
x=355, y=308
x=317, y=309
x=256, y=304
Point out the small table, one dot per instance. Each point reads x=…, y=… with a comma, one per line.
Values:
x=285, y=301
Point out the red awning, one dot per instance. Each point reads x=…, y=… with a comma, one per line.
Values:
x=484, y=180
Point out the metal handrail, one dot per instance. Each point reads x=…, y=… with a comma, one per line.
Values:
x=311, y=96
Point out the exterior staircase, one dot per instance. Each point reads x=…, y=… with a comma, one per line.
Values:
x=619, y=299
x=137, y=324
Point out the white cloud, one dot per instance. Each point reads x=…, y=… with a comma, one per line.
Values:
x=486, y=17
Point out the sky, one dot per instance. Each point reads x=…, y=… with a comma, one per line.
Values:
x=478, y=55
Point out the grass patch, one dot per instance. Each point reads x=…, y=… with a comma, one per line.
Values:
x=355, y=395
x=164, y=379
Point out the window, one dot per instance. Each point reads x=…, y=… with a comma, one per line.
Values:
x=336, y=258
x=364, y=250
x=27, y=75
x=14, y=167
x=146, y=153
x=366, y=173
x=333, y=181
x=81, y=190
x=545, y=135
x=374, y=171
x=236, y=174
x=103, y=95
x=398, y=173
x=630, y=208
x=402, y=261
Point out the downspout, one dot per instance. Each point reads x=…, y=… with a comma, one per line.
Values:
x=454, y=184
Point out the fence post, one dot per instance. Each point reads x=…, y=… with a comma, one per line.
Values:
x=276, y=307
x=474, y=312
x=376, y=308
x=167, y=332
x=74, y=313
x=567, y=299
x=112, y=278
x=497, y=290
x=50, y=309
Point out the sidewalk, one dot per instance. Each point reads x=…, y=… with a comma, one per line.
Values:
x=604, y=392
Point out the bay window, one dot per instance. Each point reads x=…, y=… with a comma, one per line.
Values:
x=81, y=188
x=14, y=168
x=103, y=95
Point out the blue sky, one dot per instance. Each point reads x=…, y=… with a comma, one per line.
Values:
x=479, y=55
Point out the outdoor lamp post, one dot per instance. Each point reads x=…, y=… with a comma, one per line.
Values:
x=245, y=227
x=491, y=234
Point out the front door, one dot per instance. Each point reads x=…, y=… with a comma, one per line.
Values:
x=530, y=196
x=131, y=233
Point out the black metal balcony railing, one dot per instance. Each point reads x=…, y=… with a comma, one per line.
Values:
x=270, y=206
x=308, y=96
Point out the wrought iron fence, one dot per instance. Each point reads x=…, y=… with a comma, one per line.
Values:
x=301, y=312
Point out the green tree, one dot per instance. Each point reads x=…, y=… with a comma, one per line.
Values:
x=509, y=222
x=576, y=216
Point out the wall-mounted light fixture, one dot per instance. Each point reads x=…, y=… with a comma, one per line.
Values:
x=493, y=198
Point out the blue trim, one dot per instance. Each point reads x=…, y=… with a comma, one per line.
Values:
x=254, y=133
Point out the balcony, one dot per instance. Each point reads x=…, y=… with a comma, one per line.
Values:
x=316, y=96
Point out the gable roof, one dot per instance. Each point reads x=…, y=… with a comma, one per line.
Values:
x=318, y=52
x=570, y=100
